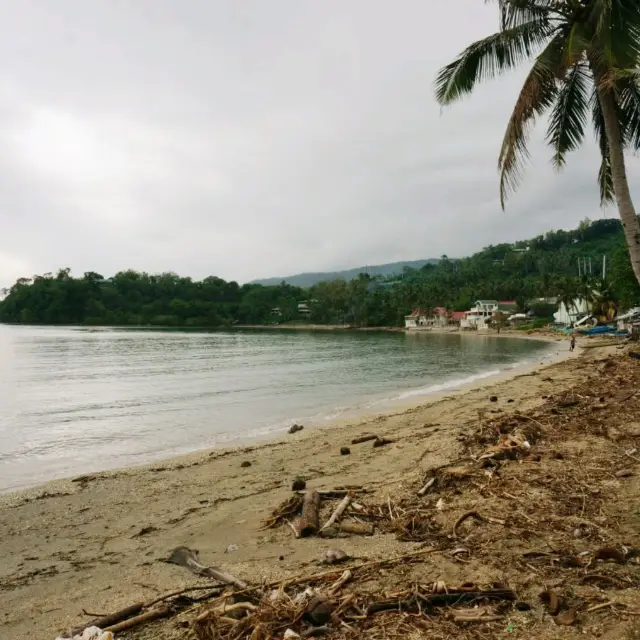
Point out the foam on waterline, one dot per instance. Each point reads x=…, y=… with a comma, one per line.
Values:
x=450, y=384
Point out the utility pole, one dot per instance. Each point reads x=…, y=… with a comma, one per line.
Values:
x=604, y=267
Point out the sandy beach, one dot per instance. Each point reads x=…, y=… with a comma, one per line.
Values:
x=95, y=543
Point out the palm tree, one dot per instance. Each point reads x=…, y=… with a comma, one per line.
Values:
x=586, y=56
x=569, y=295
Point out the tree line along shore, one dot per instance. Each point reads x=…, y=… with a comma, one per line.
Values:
x=561, y=264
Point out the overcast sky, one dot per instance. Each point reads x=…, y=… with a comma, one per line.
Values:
x=253, y=138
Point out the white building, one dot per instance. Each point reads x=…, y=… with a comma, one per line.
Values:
x=417, y=318
x=567, y=316
x=479, y=316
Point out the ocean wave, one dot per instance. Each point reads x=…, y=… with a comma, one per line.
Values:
x=450, y=384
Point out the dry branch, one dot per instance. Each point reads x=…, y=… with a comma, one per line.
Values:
x=339, y=510
x=365, y=438
x=477, y=516
x=148, y=616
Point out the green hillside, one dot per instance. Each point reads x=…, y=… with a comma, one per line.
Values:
x=309, y=279
x=549, y=265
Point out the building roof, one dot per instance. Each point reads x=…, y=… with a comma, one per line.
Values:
x=507, y=305
x=440, y=311
x=486, y=302
x=458, y=315
x=416, y=313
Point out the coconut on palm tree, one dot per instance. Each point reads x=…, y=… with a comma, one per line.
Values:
x=586, y=56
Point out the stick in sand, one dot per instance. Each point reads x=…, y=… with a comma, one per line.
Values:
x=339, y=510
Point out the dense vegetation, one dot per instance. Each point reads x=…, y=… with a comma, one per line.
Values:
x=544, y=266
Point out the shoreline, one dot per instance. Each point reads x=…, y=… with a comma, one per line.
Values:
x=97, y=541
x=375, y=408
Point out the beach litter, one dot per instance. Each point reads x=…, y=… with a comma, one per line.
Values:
x=92, y=633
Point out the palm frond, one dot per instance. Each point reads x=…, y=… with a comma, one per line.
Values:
x=488, y=57
x=616, y=31
x=605, y=177
x=629, y=104
x=569, y=116
x=516, y=12
x=536, y=96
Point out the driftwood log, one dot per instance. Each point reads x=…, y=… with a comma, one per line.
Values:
x=148, y=616
x=308, y=523
x=365, y=438
x=356, y=528
x=112, y=618
x=188, y=558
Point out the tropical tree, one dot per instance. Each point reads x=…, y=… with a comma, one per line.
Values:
x=586, y=55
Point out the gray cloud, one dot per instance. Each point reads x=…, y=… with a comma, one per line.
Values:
x=255, y=138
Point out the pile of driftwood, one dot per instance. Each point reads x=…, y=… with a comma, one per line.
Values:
x=318, y=605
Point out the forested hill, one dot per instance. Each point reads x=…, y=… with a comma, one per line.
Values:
x=309, y=279
x=543, y=266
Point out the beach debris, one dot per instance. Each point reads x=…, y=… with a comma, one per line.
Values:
x=610, y=553
x=188, y=558
x=336, y=556
x=356, y=528
x=493, y=399
x=345, y=451
x=245, y=463
x=509, y=445
x=566, y=618
x=552, y=601
x=427, y=486
x=290, y=634
x=308, y=523
x=319, y=610
x=338, y=512
x=231, y=548
x=283, y=512
x=298, y=484
x=476, y=516
x=381, y=442
x=143, y=618
x=364, y=438
x=415, y=526
x=294, y=428
x=92, y=633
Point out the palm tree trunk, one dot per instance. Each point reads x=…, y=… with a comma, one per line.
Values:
x=619, y=176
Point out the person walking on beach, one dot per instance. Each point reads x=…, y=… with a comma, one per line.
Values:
x=573, y=343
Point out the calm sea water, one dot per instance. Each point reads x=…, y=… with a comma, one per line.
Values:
x=76, y=400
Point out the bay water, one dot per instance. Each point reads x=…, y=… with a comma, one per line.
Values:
x=75, y=401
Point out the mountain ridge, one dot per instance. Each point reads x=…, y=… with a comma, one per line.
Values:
x=309, y=278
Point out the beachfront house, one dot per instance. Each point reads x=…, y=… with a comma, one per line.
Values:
x=439, y=318
x=303, y=309
x=479, y=316
x=456, y=317
x=569, y=315
x=417, y=318
x=628, y=320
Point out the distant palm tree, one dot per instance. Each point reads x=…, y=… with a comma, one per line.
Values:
x=588, y=54
x=569, y=295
